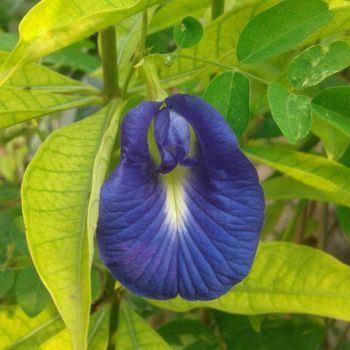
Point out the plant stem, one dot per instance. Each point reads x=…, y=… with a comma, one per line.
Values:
x=222, y=65
x=109, y=63
x=217, y=8
x=138, y=54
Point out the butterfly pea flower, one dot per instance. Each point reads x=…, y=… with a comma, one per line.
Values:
x=187, y=225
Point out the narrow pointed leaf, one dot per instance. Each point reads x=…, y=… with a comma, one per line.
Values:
x=292, y=113
x=333, y=105
x=37, y=77
x=55, y=192
x=136, y=333
x=21, y=332
x=317, y=63
x=18, y=105
x=280, y=29
x=285, y=278
x=52, y=25
x=229, y=94
x=328, y=177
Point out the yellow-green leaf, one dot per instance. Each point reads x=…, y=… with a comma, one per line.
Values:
x=37, y=77
x=285, y=277
x=51, y=25
x=21, y=332
x=135, y=333
x=327, y=176
x=55, y=191
x=20, y=104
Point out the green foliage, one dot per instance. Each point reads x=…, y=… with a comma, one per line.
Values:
x=229, y=94
x=188, y=33
x=292, y=113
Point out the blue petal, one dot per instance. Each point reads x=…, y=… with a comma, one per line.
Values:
x=192, y=232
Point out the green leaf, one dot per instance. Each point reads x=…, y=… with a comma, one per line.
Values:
x=188, y=33
x=328, y=177
x=173, y=12
x=31, y=294
x=297, y=332
x=343, y=214
x=285, y=277
x=18, y=331
x=218, y=44
x=280, y=29
x=38, y=77
x=317, y=63
x=135, y=333
x=292, y=113
x=9, y=192
x=229, y=94
x=7, y=279
x=55, y=192
x=52, y=25
x=283, y=187
x=333, y=105
x=19, y=104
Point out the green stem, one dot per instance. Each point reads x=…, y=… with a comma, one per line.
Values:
x=217, y=8
x=222, y=65
x=138, y=56
x=109, y=63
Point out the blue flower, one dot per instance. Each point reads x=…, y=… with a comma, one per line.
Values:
x=190, y=225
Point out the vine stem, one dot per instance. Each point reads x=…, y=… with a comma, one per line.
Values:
x=138, y=54
x=108, y=44
x=222, y=65
x=217, y=8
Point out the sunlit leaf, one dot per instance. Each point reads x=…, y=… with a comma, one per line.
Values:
x=318, y=62
x=55, y=191
x=37, y=77
x=292, y=113
x=285, y=277
x=136, y=333
x=19, y=104
x=188, y=33
x=333, y=105
x=52, y=25
x=328, y=177
x=21, y=332
x=280, y=29
x=229, y=94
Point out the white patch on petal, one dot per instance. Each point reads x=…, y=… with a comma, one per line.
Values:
x=175, y=204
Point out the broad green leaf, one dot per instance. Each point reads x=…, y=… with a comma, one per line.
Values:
x=55, y=192
x=285, y=277
x=333, y=139
x=31, y=294
x=317, y=63
x=333, y=105
x=328, y=177
x=280, y=29
x=7, y=279
x=173, y=12
x=135, y=333
x=21, y=332
x=37, y=77
x=276, y=333
x=20, y=104
x=343, y=214
x=218, y=44
x=229, y=94
x=98, y=334
x=188, y=33
x=283, y=187
x=292, y=113
x=52, y=25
